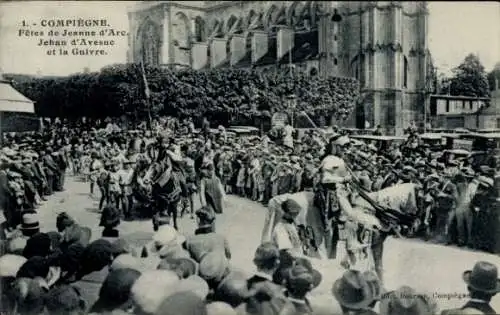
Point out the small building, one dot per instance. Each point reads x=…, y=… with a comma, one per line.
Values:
x=451, y=112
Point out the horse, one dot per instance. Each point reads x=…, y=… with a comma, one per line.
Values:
x=168, y=189
x=320, y=241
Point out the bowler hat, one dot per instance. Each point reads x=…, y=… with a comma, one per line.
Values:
x=483, y=277
x=356, y=290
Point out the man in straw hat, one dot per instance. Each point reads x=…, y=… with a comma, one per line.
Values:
x=483, y=284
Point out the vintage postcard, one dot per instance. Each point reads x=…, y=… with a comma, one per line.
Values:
x=249, y=157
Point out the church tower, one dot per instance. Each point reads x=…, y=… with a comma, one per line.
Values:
x=381, y=43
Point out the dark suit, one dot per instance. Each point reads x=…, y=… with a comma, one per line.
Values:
x=203, y=243
x=482, y=308
x=51, y=171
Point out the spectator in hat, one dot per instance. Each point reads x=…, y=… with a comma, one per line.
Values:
x=182, y=303
x=406, y=300
x=483, y=284
x=29, y=224
x=298, y=283
x=266, y=260
x=357, y=292
x=71, y=231
x=220, y=308
x=151, y=289
x=184, y=267
x=93, y=268
x=38, y=245
x=213, y=268
x=232, y=290
x=205, y=239
x=65, y=300
x=194, y=284
x=110, y=219
x=115, y=292
x=167, y=242
x=285, y=234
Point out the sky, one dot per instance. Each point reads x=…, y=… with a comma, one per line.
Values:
x=455, y=30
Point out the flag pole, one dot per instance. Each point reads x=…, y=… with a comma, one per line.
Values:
x=146, y=95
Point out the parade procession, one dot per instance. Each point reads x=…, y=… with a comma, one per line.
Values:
x=248, y=158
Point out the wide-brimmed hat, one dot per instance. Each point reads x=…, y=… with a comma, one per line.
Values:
x=115, y=290
x=290, y=208
x=213, y=266
x=151, y=288
x=315, y=274
x=483, y=277
x=168, y=235
x=356, y=290
x=29, y=222
x=406, y=301
x=194, y=284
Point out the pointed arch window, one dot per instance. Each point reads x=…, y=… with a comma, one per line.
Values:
x=150, y=44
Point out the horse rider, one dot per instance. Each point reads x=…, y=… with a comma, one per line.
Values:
x=334, y=194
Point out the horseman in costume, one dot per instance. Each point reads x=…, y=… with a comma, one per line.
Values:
x=168, y=183
x=334, y=194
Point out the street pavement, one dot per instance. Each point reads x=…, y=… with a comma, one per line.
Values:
x=433, y=269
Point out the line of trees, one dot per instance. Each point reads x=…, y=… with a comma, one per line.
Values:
x=118, y=89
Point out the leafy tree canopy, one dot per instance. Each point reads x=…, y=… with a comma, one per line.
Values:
x=469, y=78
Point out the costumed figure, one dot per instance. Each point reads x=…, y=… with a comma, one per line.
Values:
x=168, y=183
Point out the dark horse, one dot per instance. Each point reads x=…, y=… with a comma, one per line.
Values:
x=168, y=189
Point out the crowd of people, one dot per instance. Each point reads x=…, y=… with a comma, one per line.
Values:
x=64, y=272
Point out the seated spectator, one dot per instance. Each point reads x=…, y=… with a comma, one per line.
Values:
x=205, y=239
x=483, y=284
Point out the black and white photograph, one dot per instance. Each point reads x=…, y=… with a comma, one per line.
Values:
x=249, y=157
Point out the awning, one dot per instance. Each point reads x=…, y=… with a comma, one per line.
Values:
x=13, y=101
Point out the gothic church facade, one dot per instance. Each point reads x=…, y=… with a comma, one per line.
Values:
x=381, y=43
